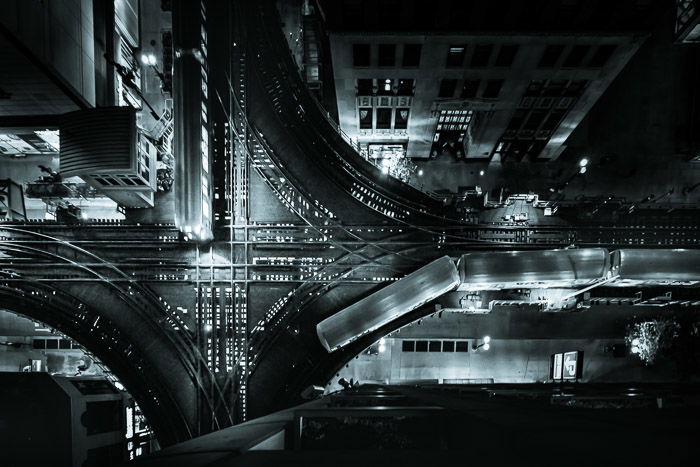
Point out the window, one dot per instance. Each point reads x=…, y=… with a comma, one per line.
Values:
x=447, y=87
x=405, y=87
x=550, y=56
x=506, y=55
x=408, y=346
x=411, y=55
x=601, y=56
x=360, y=54
x=401, y=119
x=39, y=343
x=111, y=181
x=482, y=54
x=471, y=86
x=383, y=119
x=448, y=346
x=434, y=346
x=386, y=87
x=576, y=55
x=365, y=118
x=364, y=87
x=493, y=88
x=536, y=117
x=552, y=120
x=51, y=343
x=64, y=344
x=462, y=346
x=455, y=56
x=387, y=54
x=421, y=346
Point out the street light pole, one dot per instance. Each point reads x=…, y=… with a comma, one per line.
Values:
x=485, y=344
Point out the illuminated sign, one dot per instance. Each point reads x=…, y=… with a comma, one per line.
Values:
x=573, y=364
x=557, y=366
x=566, y=366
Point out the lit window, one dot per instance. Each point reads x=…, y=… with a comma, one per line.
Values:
x=455, y=56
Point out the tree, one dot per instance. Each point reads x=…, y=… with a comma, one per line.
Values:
x=649, y=339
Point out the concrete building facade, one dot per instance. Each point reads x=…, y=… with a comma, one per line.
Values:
x=493, y=90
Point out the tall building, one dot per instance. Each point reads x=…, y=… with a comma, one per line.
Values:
x=482, y=80
x=86, y=63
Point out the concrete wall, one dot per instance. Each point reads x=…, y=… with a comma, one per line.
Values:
x=491, y=115
x=60, y=33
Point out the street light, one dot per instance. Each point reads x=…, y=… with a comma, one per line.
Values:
x=148, y=59
x=420, y=172
x=485, y=344
x=481, y=172
x=583, y=162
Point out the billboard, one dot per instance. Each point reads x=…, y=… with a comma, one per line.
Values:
x=566, y=366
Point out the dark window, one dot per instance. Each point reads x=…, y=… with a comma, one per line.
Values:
x=64, y=344
x=552, y=120
x=101, y=181
x=421, y=346
x=401, y=119
x=104, y=455
x=481, y=56
x=434, y=346
x=127, y=181
x=408, y=346
x=365, y=118
x=455, y=55
x=102, y=416
x=360, y=54
x=601, y=56
x=550, y=56
x=447, y=87
x=493, y=88
x=576, y=55
x=51, y=343
x=405, y=87
x=364, y=87
x=39, y=343
x=387, y=54
x=536, y=117
x=448, y=346
x=506, y=55
x=554, y=88
x=517, y=119
x=383, y=119
x=411, y=55
x=471, y=86
x=462, y=346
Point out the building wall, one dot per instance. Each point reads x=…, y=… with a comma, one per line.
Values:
x=60, y=33
x=491, y=115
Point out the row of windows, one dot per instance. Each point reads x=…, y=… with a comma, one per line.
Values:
x=118, y=180
x=361, y=55
x=385, y=87
x=64, y=344
x=434, y=346
x=470, y=88
x=483, y=55
x=383, y=118
x=406, y=87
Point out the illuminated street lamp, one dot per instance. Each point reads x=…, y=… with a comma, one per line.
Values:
x=485, y=344
x=583, y=162
x=148, y=59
